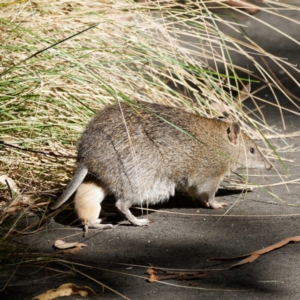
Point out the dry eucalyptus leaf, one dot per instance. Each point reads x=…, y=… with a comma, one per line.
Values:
x=71, y=250
x=65, y=290
x=156, y=274
x=59, y=244
x=250, y=257
x=4, y=179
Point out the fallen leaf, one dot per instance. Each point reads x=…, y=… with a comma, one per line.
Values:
x=4, y=179
x=64, y=290
x=153, y=278
x=59, y=244
x=254, y=255
x=72, y=250
x=151, y=271
x=168, y=274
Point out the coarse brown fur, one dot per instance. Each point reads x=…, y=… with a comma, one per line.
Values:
x=142, y=152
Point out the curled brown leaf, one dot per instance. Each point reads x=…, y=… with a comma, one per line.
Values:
x=156, y=274
x=250, y=257
x=64, y=290
x=60, y=244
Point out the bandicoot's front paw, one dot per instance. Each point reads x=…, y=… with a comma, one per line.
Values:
x=215, y=204
x=141, y=222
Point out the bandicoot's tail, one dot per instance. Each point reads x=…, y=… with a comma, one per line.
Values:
x=71, y=187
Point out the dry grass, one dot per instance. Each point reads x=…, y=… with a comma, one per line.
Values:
x=61, y=61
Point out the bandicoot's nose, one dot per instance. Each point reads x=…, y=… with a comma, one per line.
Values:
x=268, y=166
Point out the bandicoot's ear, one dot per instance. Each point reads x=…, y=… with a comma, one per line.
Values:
x=233, y=132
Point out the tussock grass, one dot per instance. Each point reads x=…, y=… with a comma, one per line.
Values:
x=61, y=61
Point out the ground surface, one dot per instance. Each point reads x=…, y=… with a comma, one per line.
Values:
x=177, y=240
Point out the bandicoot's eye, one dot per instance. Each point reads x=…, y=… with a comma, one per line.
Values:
x=252, y=150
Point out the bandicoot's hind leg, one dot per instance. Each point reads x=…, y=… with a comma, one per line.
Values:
x=95, y=224
x=87, y=201
x=123, y=207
